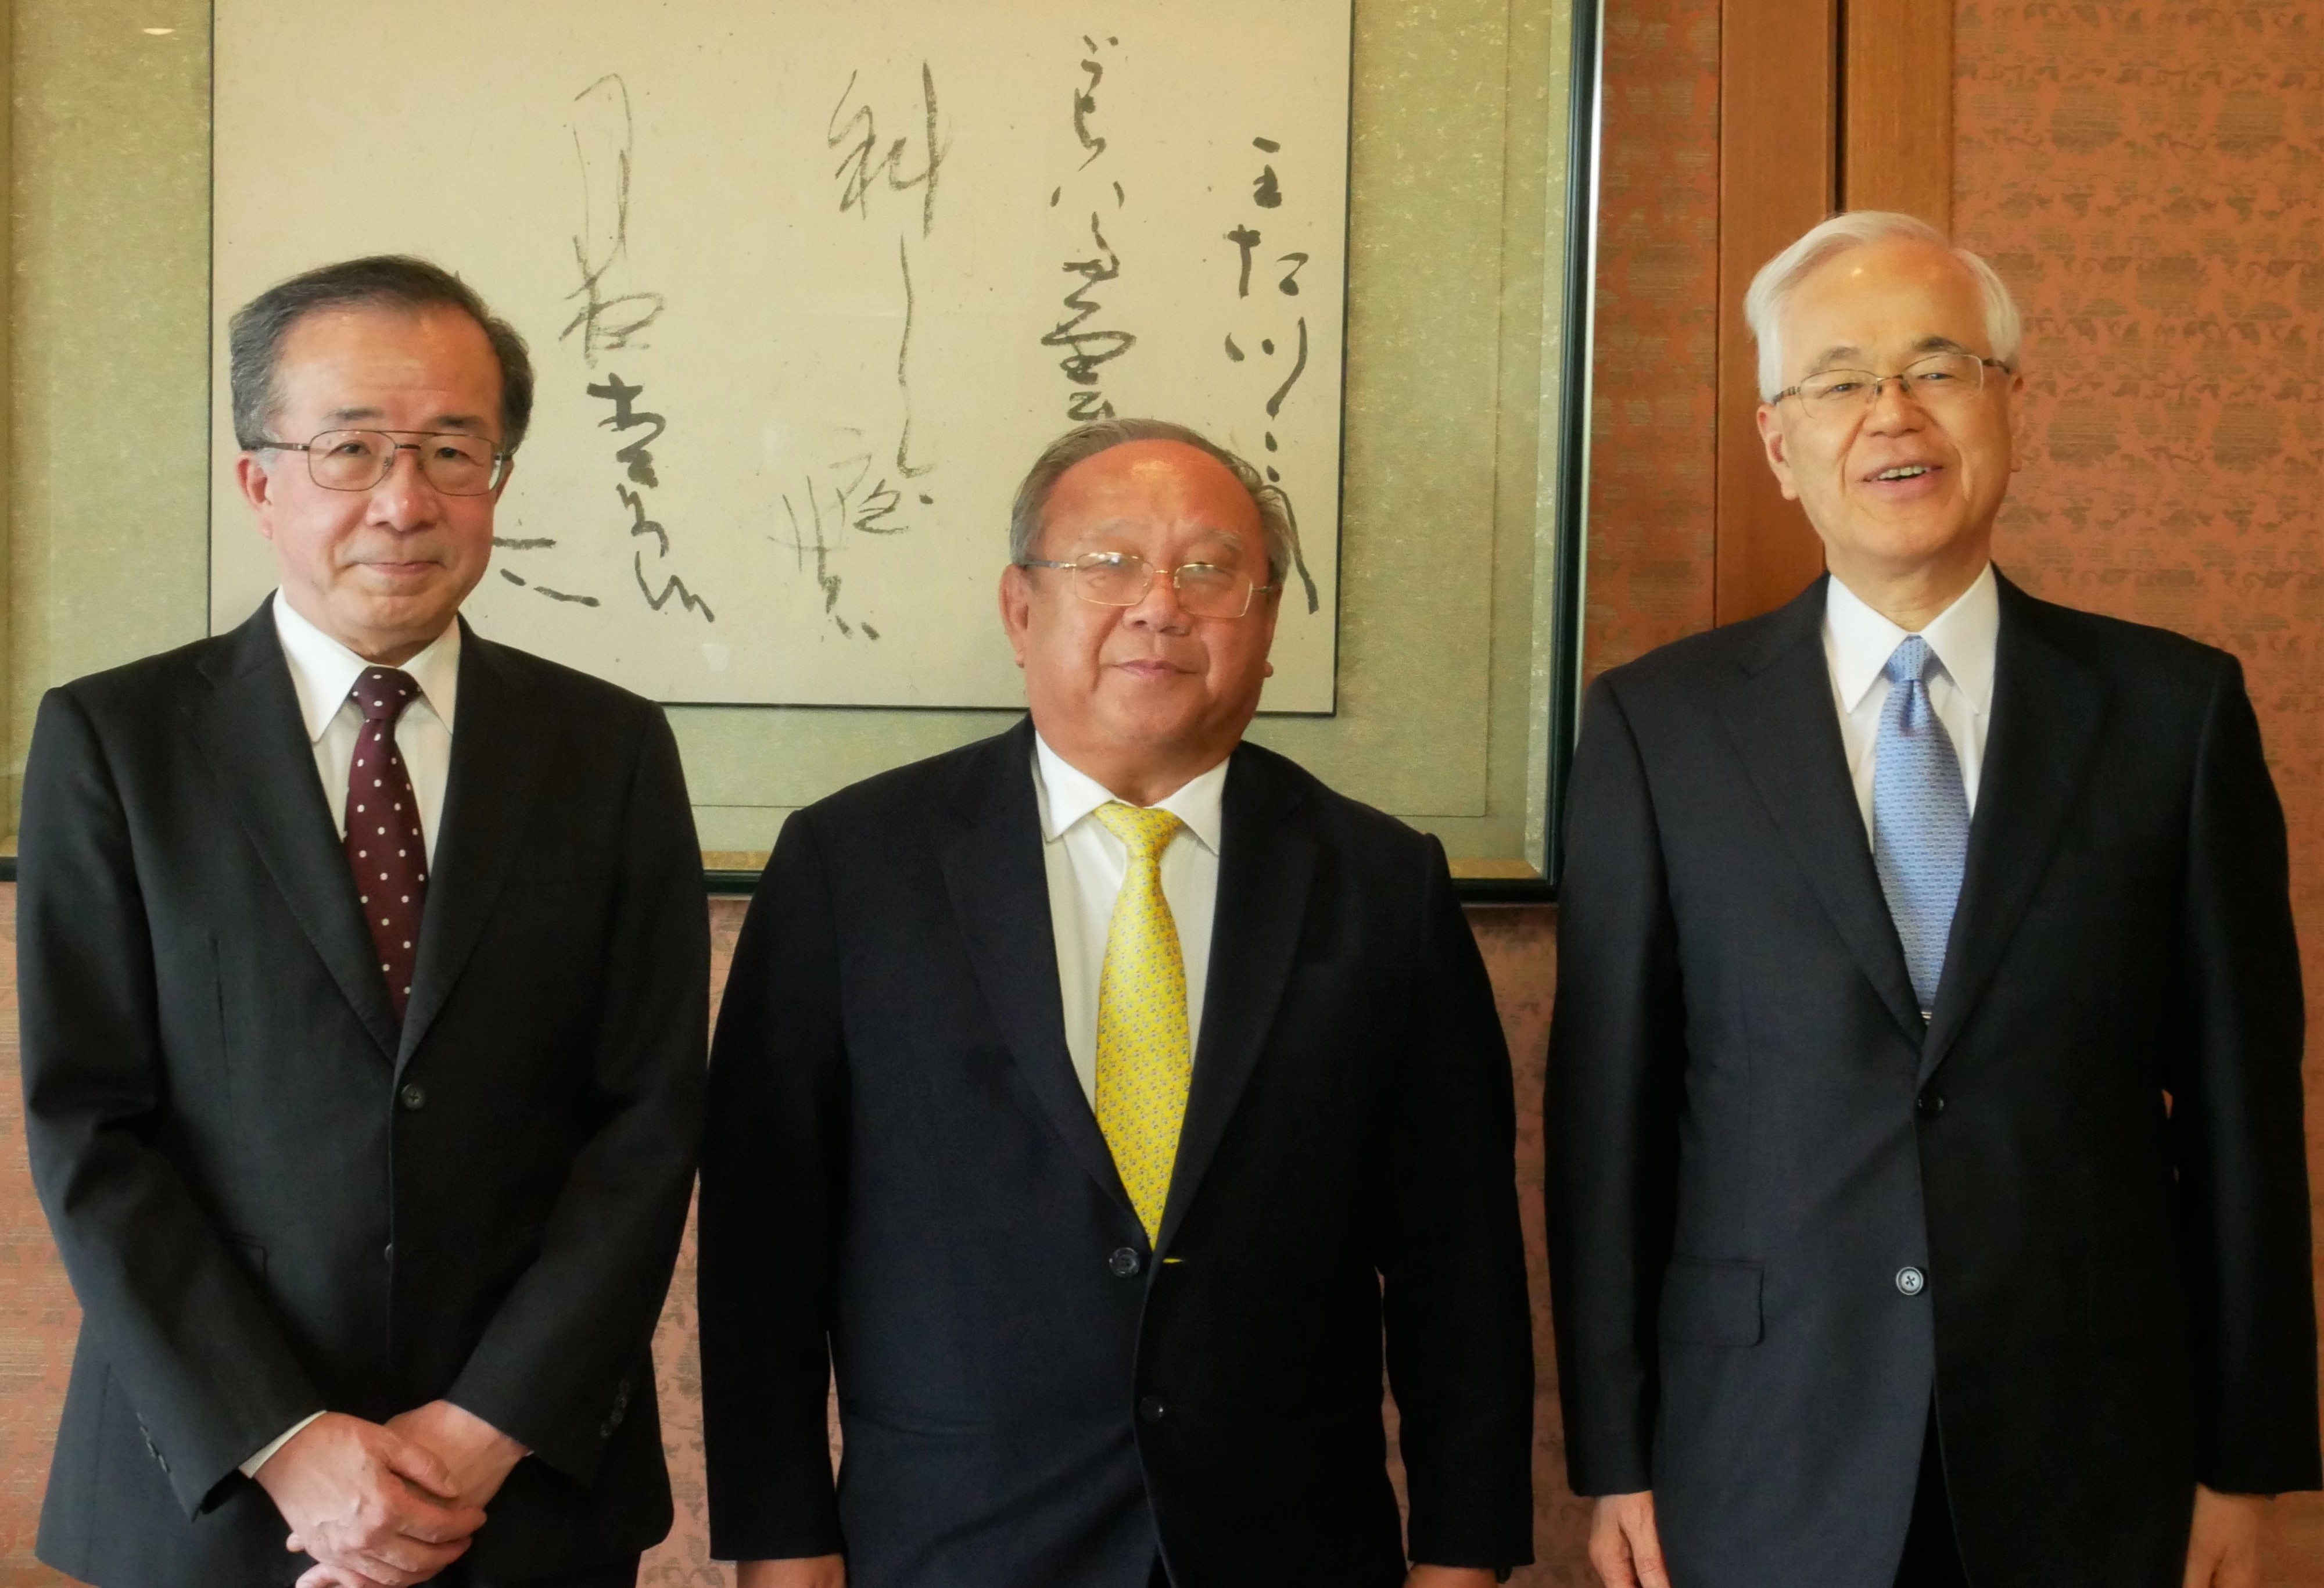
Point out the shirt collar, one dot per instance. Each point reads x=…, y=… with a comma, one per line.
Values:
x=1858, y=642
x=323, y=671
x=1068, y=794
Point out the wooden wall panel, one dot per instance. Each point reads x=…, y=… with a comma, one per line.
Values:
x=1896, y=107
x=1779, y=126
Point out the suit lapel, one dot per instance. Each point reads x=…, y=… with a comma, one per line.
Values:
x=2047, y=710
x=1266, y=868
x=1779, y=711
x=1000, y=891
x=251, y=733
x=488, y=797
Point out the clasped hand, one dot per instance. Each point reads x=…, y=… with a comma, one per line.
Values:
x=387, y=1505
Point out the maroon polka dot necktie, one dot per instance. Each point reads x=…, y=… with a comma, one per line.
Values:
x=384, y=846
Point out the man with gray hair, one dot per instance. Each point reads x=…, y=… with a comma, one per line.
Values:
x=364, y=977
x=1094, y=1100
x=1928, y=1199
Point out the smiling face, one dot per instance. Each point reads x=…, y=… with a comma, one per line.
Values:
x=1145, y=698
x=382, y=571
x=1902, y=493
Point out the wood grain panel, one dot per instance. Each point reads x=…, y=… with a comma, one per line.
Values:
x=1896, y=107
x=1778, y=125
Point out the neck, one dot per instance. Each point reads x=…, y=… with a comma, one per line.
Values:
x=1140, y=775
x=1914, y=596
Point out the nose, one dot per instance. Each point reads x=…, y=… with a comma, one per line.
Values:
x=404, y=500
x=1158, y=608
x=1894, y=407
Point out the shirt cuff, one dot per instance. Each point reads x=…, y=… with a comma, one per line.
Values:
x=267, y=1452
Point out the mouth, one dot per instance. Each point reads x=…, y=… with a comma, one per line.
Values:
x=1904, y=471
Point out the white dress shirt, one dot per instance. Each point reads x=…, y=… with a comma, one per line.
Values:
x=1857, y=644
x=1086, y=863
x=323, y=671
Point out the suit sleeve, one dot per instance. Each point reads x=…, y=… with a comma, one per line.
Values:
x=1459, y=1324
x=773, y=1178
x=1610, y=1116
x=2237, y=1121
x=187, y=1337
x=556, y=1366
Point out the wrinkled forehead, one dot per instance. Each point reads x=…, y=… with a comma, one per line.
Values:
x=1164, y=493
x=362, y=365
x=1881, y=306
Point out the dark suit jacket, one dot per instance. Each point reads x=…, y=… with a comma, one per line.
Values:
x=270, y=1198
x=902, y=1172
x=1751, y=1134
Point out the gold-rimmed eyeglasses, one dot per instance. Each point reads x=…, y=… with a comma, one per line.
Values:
x=454, y=464
x=1939, y=382
x=1122, y=578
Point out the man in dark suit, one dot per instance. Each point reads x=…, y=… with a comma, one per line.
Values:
x=1928, y=1200
x=363, y=1060
x=1093, y=1099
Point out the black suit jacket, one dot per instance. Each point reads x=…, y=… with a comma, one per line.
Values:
x=2093, y=1151
x=904, y=1181
x=273, y=1200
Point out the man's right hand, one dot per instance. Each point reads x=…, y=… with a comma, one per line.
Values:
x=1623, y=1544
x=370, y=1505
x=820, y=1571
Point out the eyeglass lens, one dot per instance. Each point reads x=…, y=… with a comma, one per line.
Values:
x=1939, y=379
x=1111, y=578
x=356, y=460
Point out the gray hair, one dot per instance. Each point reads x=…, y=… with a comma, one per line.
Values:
x=1771, y=290
x=255, y=335
x=1086, y=441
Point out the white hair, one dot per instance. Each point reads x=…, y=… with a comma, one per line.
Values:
x=1771, y=290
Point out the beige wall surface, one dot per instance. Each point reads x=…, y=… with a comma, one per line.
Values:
x=1458, y=112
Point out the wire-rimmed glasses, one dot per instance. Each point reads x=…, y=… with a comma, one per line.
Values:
x=1122, y=579
x=456, y=464
x=1939, y=382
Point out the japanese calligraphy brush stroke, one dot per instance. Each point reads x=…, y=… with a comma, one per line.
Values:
x=808, y=288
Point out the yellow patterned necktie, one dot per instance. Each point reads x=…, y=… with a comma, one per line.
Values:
x=1144, y=1059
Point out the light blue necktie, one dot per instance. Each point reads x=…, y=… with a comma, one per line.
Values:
x=1920, y=818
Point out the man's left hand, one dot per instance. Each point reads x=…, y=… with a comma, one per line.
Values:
x=480, y=1456
x=2223, y=1550
x=1449, y=1577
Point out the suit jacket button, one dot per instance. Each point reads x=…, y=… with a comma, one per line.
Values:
x=1930, y=1104
x=1152, y=1409
x=1910, y=1281
x=1123, y=1263
x=413, y=1097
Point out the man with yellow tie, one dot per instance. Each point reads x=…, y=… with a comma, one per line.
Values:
x=1105, y=1104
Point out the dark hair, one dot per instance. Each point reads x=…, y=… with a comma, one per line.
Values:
x=384, y=280
x=1086, y=441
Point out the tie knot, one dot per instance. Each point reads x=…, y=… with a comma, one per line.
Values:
x=1910, y=662
x=1146, y=829
x=381, y=693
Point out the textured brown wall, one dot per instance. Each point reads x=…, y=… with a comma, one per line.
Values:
x=2150, y=179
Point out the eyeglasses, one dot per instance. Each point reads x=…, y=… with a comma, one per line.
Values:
x=1942, y=383
x=1118, y=578
x=356, y=460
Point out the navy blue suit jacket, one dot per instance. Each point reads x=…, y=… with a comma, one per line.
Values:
x=904, y=1181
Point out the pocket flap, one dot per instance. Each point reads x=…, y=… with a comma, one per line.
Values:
x=1707, y=1302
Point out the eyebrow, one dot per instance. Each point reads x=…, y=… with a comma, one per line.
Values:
x=442, y=421
x=1830, y=356
x=1116, y=526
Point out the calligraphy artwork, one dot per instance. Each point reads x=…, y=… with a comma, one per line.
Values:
x=807, y=293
